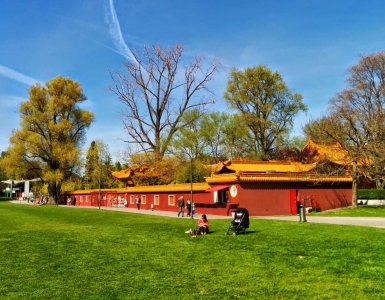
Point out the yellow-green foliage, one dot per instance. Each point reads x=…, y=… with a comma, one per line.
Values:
x=52, y=126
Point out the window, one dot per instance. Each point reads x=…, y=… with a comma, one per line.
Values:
x=156, y=199
x=132, y=200
x=221, y=196
x=143, y=197
x=171, y=200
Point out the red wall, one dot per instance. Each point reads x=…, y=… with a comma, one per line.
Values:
x=326, y=198
x=260, y=199
x=264, y=201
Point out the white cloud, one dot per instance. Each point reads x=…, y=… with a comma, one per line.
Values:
x=17, y=76
x=116, y=33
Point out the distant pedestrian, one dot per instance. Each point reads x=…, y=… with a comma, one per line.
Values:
x=188, y=206
x=69, y=201
x=181, y=206
x=74, y=201
x=299, y=205
x=138, y=201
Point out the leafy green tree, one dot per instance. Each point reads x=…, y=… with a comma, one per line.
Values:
x=52, y=128
x=92, y=167
x=98, y=166
x=188, y=141
x=238, y=141
x=196, y=169
x=3, y=176
x=266, y=104
x=213, y=134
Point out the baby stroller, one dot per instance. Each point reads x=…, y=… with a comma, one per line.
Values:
x=240, y=221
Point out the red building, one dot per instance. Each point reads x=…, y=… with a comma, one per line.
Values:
x=264, y=188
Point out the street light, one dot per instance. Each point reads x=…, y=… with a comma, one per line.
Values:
x=191, y=190
x=100, y=179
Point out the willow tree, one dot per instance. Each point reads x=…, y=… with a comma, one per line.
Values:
x=52, y=128
x=157, y=88
x=356, y=120
x=266, y=104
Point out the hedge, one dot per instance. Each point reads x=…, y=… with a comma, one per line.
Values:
x=371, y=194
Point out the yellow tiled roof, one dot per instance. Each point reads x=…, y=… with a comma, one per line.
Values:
x=185, y=187
x=123, y=174
x=333, y=153
x=263, y=166
x=258, y=177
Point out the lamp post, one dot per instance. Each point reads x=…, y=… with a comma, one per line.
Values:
x=191, y=190
x=100, y=179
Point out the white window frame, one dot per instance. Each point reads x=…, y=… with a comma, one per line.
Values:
x=156, y=199
x=171, y=200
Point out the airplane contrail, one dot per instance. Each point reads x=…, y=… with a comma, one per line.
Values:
x=17, y=76
x=116, y=33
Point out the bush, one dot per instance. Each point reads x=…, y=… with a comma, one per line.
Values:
x=371, y=194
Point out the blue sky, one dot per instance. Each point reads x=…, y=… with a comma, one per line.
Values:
x=311, y=43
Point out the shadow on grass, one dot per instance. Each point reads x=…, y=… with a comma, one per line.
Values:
x=247, y=232
x=5, y=199
x=243, y=233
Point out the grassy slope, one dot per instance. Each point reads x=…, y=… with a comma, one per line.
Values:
x=367, y=211
x=51, y=252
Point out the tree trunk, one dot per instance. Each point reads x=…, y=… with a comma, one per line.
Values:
x=54, y=192
x=355, y=178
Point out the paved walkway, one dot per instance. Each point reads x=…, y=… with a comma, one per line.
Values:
x=171, y=214
x=355, y=221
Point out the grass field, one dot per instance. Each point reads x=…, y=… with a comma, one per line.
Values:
x=365, y=211
x=49, y=252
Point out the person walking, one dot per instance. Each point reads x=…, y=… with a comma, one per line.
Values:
x=181, y=206
x=138, y=201
x=188, y=206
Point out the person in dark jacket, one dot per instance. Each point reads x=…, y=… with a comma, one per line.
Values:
x=181, y=206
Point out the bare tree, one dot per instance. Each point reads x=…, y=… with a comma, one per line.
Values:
x=157, y=90
x=357, y=120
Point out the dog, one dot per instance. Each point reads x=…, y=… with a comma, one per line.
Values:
x=193, y=232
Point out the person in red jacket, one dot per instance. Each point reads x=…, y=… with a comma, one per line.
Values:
x=203, y=225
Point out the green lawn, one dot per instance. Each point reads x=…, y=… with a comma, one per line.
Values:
x=366, y=211
x=48, y=252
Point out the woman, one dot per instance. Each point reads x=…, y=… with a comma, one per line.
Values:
x=203, y=225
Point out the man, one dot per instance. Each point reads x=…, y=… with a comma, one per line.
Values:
x=181, y=206
x=188, y=206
